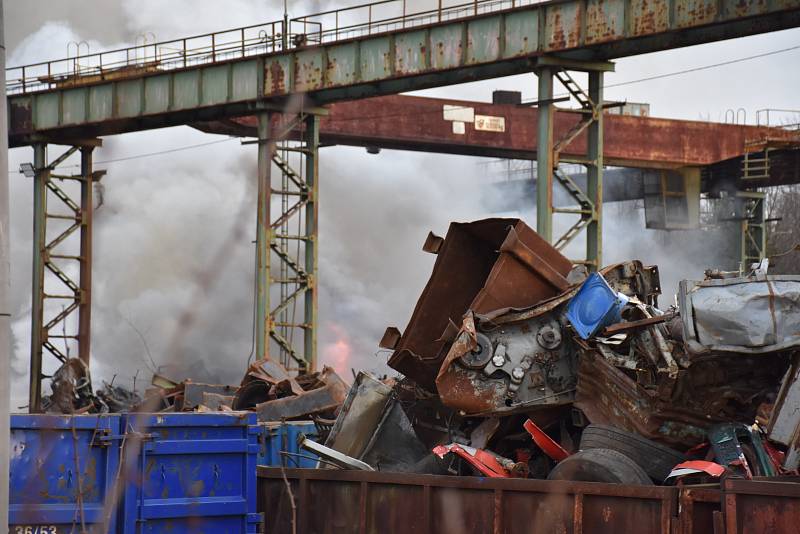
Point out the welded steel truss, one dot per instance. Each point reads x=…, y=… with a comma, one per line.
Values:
x=753, y=228
x=57, y=291
x=588, y=203
x=287, y=242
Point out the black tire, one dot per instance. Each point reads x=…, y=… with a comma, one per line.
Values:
x=600, y=465
x=657, y=460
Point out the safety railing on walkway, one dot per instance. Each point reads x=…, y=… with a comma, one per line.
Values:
x=390, y=15
x=345, y=23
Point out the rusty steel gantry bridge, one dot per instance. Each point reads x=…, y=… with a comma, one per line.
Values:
x=285, y=71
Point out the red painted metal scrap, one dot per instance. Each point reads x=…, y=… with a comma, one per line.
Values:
x=545, y=442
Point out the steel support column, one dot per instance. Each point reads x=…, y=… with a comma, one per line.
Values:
x=40, y=179
x=87, y=216
x=287, y=242
x=588, y=203
x=312, y=243
x=544, y=156
x=594, y=172
x=753, y=239
x=263, y=236
x=56, y=293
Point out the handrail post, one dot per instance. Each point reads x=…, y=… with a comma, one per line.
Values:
x=337, y=28
x=184, y=53
x=23, y=79
x=440, y=11
x=404, y=13
x=476, y=7
x=213, y=48
x=369, y=20
x=242, y=42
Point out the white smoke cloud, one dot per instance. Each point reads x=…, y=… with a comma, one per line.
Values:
x=166, y=218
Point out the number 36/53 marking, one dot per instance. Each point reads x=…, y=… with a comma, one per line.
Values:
x=35, y=529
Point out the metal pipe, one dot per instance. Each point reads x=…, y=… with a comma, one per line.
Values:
x=311, y=245
x=544, y=156
x=263, y=231
x=40, y=180
x=594, y=172
x=85, y=296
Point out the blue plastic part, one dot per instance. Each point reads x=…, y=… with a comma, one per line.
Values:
x=277, y=438
x=594, y=307
x=47, y=453
x=194, y=473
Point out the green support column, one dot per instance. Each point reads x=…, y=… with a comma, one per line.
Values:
x=311, y=246
x=263, y=236
x=544, y=156
x=594, y=174
x=40, y=179
x=85, y=298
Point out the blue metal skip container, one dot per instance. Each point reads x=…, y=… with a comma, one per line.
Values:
x=54, y=459
x=190, y=473
x=278, y=444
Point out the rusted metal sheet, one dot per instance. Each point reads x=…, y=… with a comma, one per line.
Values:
x=605, y=20
x=563, y=23
x=678, y=412
x=700, y=508
x=470, y=274
x=761, y=506
x=389, y=503
x=323, y=399
x=510, y=361
x=417, y=123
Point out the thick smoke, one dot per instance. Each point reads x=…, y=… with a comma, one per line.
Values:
x=173, y=261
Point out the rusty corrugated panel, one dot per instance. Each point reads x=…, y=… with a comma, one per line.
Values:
x=393, y=503
x=481, y=266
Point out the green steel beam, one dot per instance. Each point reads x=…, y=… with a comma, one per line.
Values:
x=311, y=242
x=594, y=173
x=544, y=151
x=40, y=179
x=484, y=46
x=263, y=235
x=753, y=238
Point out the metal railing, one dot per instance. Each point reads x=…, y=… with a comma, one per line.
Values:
x=387, y=16
x=162, y=56
x=328, y=26
x=788, y=119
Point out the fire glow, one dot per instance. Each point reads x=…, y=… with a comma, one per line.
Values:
x=338, y=353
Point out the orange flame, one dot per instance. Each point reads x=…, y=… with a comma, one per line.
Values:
x=338, y=353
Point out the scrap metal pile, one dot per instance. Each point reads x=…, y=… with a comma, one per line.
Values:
x=517, y=363
x=266, y=388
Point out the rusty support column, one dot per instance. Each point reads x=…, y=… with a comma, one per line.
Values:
x=544, y=156
x=311, y=244
x=263, y=236
x=86, y=215
x=594, y=173
x=40, y=179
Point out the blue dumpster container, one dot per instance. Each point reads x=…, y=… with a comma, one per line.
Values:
x=62, y=473
x=278, y=444
x=192, y=473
